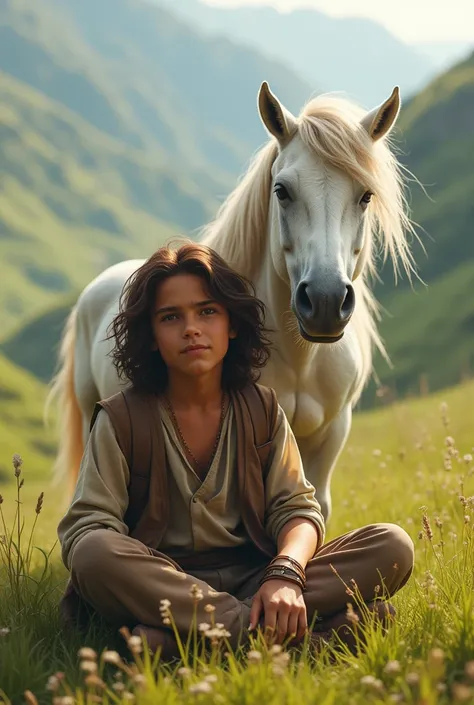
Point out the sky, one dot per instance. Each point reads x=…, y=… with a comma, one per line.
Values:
x=410, y=20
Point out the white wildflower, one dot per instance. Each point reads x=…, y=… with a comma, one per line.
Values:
x=88, y=666
x=53, y=684
x=196, y=592
x=412, y=678
x=111, y=657
x=372, y=682
x=392, y=667
x=202, y=687
x=254, y=656
x=135, y=644
x=87, y=654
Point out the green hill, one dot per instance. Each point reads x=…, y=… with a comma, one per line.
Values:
x=429, y=334
x=119, y=127
x=135, y=72
x=34, y=344
x=21, y=422
x=438, y=138
x=73, y=201
x=429, y=330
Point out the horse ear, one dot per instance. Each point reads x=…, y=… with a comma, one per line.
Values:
x=379, y=121
x=277, y=119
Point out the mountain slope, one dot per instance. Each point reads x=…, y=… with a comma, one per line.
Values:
x=438, y=144
x=119, y=127
x=137, y=73
x=34, y=345
x=73, y=202
x=443, y=55
x=349, y=54
x=22, y=429
x=431, y=329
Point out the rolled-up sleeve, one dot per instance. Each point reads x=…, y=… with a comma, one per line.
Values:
x=101, y=496
x=287, y=491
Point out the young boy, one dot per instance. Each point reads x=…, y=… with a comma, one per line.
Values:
x=213, y=510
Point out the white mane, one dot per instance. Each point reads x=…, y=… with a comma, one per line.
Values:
x=330, y=127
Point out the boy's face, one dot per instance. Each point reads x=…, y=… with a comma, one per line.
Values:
x=190, y=330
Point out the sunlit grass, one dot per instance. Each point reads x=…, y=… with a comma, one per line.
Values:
x=411, y=464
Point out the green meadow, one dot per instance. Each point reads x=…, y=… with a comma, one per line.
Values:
x=410, y=463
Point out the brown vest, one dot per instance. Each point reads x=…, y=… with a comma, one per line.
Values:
x=137, y=425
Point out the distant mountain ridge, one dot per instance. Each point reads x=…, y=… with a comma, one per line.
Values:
x=443, y=55
x=351, y=54
x=135, y=72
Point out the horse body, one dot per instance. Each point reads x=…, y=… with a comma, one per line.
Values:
x=314, y=384
x=95, y=377
x=307, y=247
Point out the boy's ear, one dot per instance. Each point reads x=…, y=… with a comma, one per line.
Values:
x=232, y=334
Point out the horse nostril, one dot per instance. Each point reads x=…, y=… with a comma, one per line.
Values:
x=349, y=302
x=303, y=302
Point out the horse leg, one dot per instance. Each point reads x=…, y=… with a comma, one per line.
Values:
x=319, y=458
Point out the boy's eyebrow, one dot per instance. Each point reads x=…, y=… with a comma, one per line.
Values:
x=198, y=304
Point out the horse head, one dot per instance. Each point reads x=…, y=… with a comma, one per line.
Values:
x=328, y=171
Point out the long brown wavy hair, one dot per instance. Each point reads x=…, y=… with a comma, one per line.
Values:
x=133, y=356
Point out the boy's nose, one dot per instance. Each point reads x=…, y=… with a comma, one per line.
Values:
x=191, y=328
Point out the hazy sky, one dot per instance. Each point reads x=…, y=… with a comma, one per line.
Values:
x=411, y=20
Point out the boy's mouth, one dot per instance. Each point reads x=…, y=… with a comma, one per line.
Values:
x=195, y=348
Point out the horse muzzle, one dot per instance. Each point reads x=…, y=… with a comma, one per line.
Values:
x=323, y=315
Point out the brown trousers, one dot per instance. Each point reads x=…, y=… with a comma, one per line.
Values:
x=125, y=581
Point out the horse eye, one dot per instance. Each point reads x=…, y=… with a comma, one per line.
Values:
x=366, y=197
x=281, y=192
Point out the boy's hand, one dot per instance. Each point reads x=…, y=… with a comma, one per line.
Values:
x=284, y=610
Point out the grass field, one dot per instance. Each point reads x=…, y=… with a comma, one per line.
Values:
x=410, y=464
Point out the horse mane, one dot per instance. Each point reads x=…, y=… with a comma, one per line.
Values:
x=239, y=230
x=330, y=126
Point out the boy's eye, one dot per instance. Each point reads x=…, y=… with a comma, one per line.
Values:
x=169, y=317
x=208, y=311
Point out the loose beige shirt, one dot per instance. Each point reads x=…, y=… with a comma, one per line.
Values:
x=203, y=514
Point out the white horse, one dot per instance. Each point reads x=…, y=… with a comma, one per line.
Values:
x=303, y=224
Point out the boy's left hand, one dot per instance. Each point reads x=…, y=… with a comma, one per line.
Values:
x=284, y=610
